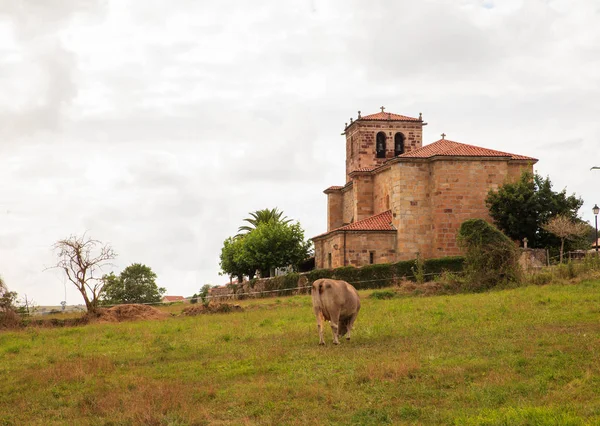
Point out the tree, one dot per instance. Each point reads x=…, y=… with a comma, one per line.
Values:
x=82, y=258
x=7, y=298
x=490, y=256
x=520, y=209
x=234, y=260
x=565, y=228
x=270, y=245
x=263, y=216
x=135, y=284
x=274, y=245
x=204, y=294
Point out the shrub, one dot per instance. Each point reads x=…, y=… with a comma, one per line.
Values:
x=491, y=257
x=386, y=274
x=541, y=278
x=383, y=294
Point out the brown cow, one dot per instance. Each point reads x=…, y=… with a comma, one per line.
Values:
x=335, y=301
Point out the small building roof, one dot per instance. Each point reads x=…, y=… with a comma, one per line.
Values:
x=172, y=298
x=379, y=222
x=447, y=148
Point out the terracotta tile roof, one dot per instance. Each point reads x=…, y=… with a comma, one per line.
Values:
x=378, y=222
x=447, y=148
x=364, y=169
x=172, y=298
x=388, y=116
x=334, y=188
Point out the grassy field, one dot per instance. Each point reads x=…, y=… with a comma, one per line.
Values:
x=514, y=357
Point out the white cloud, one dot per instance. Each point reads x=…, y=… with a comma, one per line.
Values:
x=158, y=126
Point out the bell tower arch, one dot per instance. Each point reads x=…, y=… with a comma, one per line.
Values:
x=373, y=139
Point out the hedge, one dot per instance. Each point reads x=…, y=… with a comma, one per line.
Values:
x=384, y=274
x=366, y=277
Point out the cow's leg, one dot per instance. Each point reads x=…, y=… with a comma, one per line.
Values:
x=320, y=325
x=351, y=324
x=335, y=322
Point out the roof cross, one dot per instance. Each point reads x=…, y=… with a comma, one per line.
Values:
x=382, y=108
x=443, y=136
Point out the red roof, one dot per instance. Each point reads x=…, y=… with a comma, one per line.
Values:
x=364, y=169
x=378, y=222
x=446, y=148
x=172, y=298
x=388, y=116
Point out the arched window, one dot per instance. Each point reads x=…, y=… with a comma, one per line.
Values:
x=398, y=144
x=380, y=147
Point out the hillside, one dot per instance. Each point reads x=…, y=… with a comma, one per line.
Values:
x=521, y=356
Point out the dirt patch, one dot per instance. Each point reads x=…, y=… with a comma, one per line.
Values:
x=131, y=312
x=211, y=308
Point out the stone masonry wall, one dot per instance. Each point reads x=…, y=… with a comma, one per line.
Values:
x=411, y=209
x=516, y=168
x=459, y=189
x=335, y=202
x=360, y=245
x=363, y=196
x=348, y=206
x=382, y=188
x=333, y=244
x=360, y=142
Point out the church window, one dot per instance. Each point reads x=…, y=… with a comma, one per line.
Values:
x=351, y=145
x=371, y=257
x=329, y=260
x=380, y=148
x=398, y=144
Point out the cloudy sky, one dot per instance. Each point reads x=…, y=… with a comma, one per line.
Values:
x=156, y=125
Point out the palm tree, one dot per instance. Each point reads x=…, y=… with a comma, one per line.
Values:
x=263, y=216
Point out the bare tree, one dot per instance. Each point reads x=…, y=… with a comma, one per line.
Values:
x=566, y=229
x=27, y=306
x=82, y=258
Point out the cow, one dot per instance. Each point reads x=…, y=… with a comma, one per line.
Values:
x=335, y=301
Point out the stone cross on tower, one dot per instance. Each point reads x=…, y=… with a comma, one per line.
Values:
x=382, y=108
x=443, y=136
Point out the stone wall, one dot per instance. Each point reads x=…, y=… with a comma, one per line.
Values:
x=459, y=189
x=360, y=142
x=410, y=200
x=335, y=201
x=332, y=244
x=359, y=247
x=363, y=196
x=382, y=188
x=348, y=205
x=356, y=248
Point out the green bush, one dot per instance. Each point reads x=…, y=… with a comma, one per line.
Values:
x=387, y=274
x=491, y=257
x=383, y=294
x=541, y=278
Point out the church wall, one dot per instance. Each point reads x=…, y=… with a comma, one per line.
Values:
x=411, y=203
x=360, y=142
x=332, y=244
x=360, y=245
x=348, y=206
x=382, y=186
x=363, y=196
x=515, y=169
x=459, y=189
x=335, y=202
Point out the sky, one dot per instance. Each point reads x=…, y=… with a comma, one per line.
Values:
x=156, y=126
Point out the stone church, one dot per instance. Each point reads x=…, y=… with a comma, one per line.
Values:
x=401, y=198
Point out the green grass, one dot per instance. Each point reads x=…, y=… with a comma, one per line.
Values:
x=525, y=356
